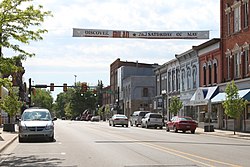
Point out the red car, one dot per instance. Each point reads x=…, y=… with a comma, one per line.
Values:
x=181, y=123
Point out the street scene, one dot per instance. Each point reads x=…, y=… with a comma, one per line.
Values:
x=82, y=143
x=124, y=83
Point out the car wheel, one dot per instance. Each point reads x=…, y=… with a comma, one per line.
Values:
x=175, y=129
x=126, y=125
x=136, y=124
x=113, y=124
x=167, y=129
x=109, y=123
x=131, y=124
x=51, y=139
x=20, y=139
x=184, y=131
x=160, y=127
x=192, y=131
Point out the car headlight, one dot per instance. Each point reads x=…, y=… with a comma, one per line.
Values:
x=49, y=127
x=21, y=128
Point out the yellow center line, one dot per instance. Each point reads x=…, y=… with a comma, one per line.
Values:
x=175, y=152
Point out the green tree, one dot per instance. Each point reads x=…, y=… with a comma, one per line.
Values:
x=42, y=98
x=10, y=103
x=175, y=105
x=233, y=105
x=15, y=23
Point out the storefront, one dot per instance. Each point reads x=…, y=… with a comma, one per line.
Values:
x=243, y=123
x=201, y=102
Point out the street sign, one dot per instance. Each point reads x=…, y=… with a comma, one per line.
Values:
x=77, y=32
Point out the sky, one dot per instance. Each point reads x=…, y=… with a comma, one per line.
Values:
x=61, y=58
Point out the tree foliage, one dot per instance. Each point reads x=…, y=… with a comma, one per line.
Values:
x=42, y=98
x=175, y=105
x=10, y=103
x=17, y=25
x=233, y=104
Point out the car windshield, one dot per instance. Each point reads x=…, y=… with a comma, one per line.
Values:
x=36, y=115
x=185, y=119
x=120, y=116
x=143, y=113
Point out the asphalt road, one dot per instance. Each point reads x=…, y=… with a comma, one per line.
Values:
x=96, y=144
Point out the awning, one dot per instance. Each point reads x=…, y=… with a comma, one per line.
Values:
x=245, y=94
x=203, y=94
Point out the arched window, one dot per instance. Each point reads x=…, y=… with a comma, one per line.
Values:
x=215, y=70
x=204, y=74
x=188, y=78
x=194, y=76
x=145, y=92
x=182, y=79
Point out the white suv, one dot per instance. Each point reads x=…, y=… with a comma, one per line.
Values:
x=152, y=120
x=36, y=123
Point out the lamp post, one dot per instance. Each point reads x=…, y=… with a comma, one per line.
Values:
x=163, y=93
x=75, y=79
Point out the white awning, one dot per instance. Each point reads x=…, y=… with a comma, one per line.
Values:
x=222, y=96
x=203, y=94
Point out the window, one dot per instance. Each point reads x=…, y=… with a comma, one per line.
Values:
x=246, y=54
x=215, y=73
x=237, y=22
x=169, y=81
x=145, y=92
x=188, y=78
x=228, y=67
x=228, y=16
x=209, y=74
x=194, y=76
x=248, y=111
x=246, y=13
x=182, y=79
x=237, y=65
x=173, y=80
x=177, y=79
x=204, y=75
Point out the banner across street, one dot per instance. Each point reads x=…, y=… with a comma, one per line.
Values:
x=78, y=32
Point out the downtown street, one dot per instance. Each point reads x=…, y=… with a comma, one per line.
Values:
x=96, y=144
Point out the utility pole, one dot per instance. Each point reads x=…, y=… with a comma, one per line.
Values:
x=29, y=95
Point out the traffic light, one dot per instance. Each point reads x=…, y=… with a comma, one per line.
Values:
x=51, y=86
x=65, y=87
x=84, y=87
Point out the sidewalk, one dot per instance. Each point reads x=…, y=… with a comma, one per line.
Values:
x=6, y=138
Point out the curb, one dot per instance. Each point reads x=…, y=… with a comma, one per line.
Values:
x=8, y=143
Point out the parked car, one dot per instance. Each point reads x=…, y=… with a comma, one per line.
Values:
x=136, y=117
x=183, y=123
x=118, y=119
x=95, y=119
x=36, y=123
x=152, y=120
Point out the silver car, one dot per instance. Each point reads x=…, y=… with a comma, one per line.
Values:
x=36, y=123
x=118, y=119
x=152, y=120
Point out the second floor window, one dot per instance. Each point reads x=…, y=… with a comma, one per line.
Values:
x=246, y=14
x=145, y=92
x=204, y=75
x=237, y=65
x=237, y=23
x=246, y=54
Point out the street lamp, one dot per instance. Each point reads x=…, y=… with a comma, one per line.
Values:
x=163, y=93
x=75, y=79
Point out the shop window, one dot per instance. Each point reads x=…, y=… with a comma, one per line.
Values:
x=248, y=111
